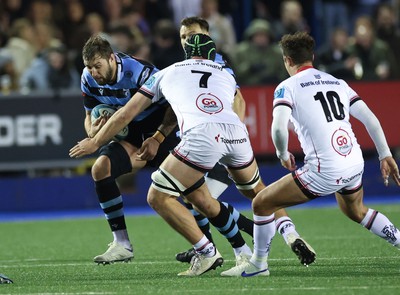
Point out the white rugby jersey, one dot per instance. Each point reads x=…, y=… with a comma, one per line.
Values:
x=320, y=106
x=199, y=91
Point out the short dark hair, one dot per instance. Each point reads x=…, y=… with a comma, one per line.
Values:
x=298, y=46
x=190, y=21
x=96, y=46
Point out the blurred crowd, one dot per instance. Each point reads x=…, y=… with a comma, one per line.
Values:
x=41, y=40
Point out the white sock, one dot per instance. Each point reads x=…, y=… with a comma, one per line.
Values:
x=122, y=238
x=245, y=249
x=284, y=226
x=205, y=247
x=381, y=226
x=264, y=231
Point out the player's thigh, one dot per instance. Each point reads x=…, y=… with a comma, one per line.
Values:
x=190, y=182
x=279, y=194
x=132, y=150
x=186, y=175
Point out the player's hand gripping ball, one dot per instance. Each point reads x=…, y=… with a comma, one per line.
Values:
x=104, y=110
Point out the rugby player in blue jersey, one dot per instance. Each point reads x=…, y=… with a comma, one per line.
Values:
x=112, y=78
x=218, y=181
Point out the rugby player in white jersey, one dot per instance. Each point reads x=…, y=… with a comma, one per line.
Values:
x=201, y=93
x=319, y=106
x=218, y=181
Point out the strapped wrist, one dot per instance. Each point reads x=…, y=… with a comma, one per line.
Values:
x=159, y=136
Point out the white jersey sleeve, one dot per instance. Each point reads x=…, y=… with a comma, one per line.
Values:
x=152, y=86
x=361, y=112
x=283, y=96
x=279, y=131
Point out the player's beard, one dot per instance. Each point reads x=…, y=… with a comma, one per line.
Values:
x=107, y=79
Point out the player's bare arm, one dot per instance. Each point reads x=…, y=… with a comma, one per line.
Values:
x=150, y=146
x=239, y=105
x=93, y=127
x=121, y=118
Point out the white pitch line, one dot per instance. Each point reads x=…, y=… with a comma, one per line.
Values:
x=23, y=263
x=237, y=290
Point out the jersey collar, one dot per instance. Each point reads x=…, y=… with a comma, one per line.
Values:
x=304, y=68
x=119, y=68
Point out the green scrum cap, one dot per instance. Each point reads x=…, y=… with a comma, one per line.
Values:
x=200, y=45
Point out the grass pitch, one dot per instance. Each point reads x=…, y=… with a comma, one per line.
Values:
x=55, y=257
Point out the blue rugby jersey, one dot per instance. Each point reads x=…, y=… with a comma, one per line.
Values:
x=220, y=60
x=132, y=73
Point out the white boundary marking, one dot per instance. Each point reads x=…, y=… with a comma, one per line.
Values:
x=30, y=263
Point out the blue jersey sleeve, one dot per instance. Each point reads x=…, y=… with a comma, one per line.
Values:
x=221, y=61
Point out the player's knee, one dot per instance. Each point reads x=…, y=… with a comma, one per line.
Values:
x=113, y=161
x=166, y=183
x=101, y=168
x=257, y=205
x=152, y=199
x=156, y=199
x=251, y=194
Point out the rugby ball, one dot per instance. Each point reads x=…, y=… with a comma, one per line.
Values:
x=104, y=110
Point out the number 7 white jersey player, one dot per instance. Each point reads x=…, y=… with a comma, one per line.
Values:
x=186, y=83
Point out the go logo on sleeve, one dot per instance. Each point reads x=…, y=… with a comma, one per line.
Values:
x=209, y=103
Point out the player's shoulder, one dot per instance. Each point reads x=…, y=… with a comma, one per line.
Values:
x=287, y=87
x=287, y=83
x=280, y=90
x=86, y=78
x=160, y=75
x=133, y=62
x=220, y=59
x=85, y=73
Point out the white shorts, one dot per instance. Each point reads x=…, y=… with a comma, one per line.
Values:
x=207, y=144
x=315, y=184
